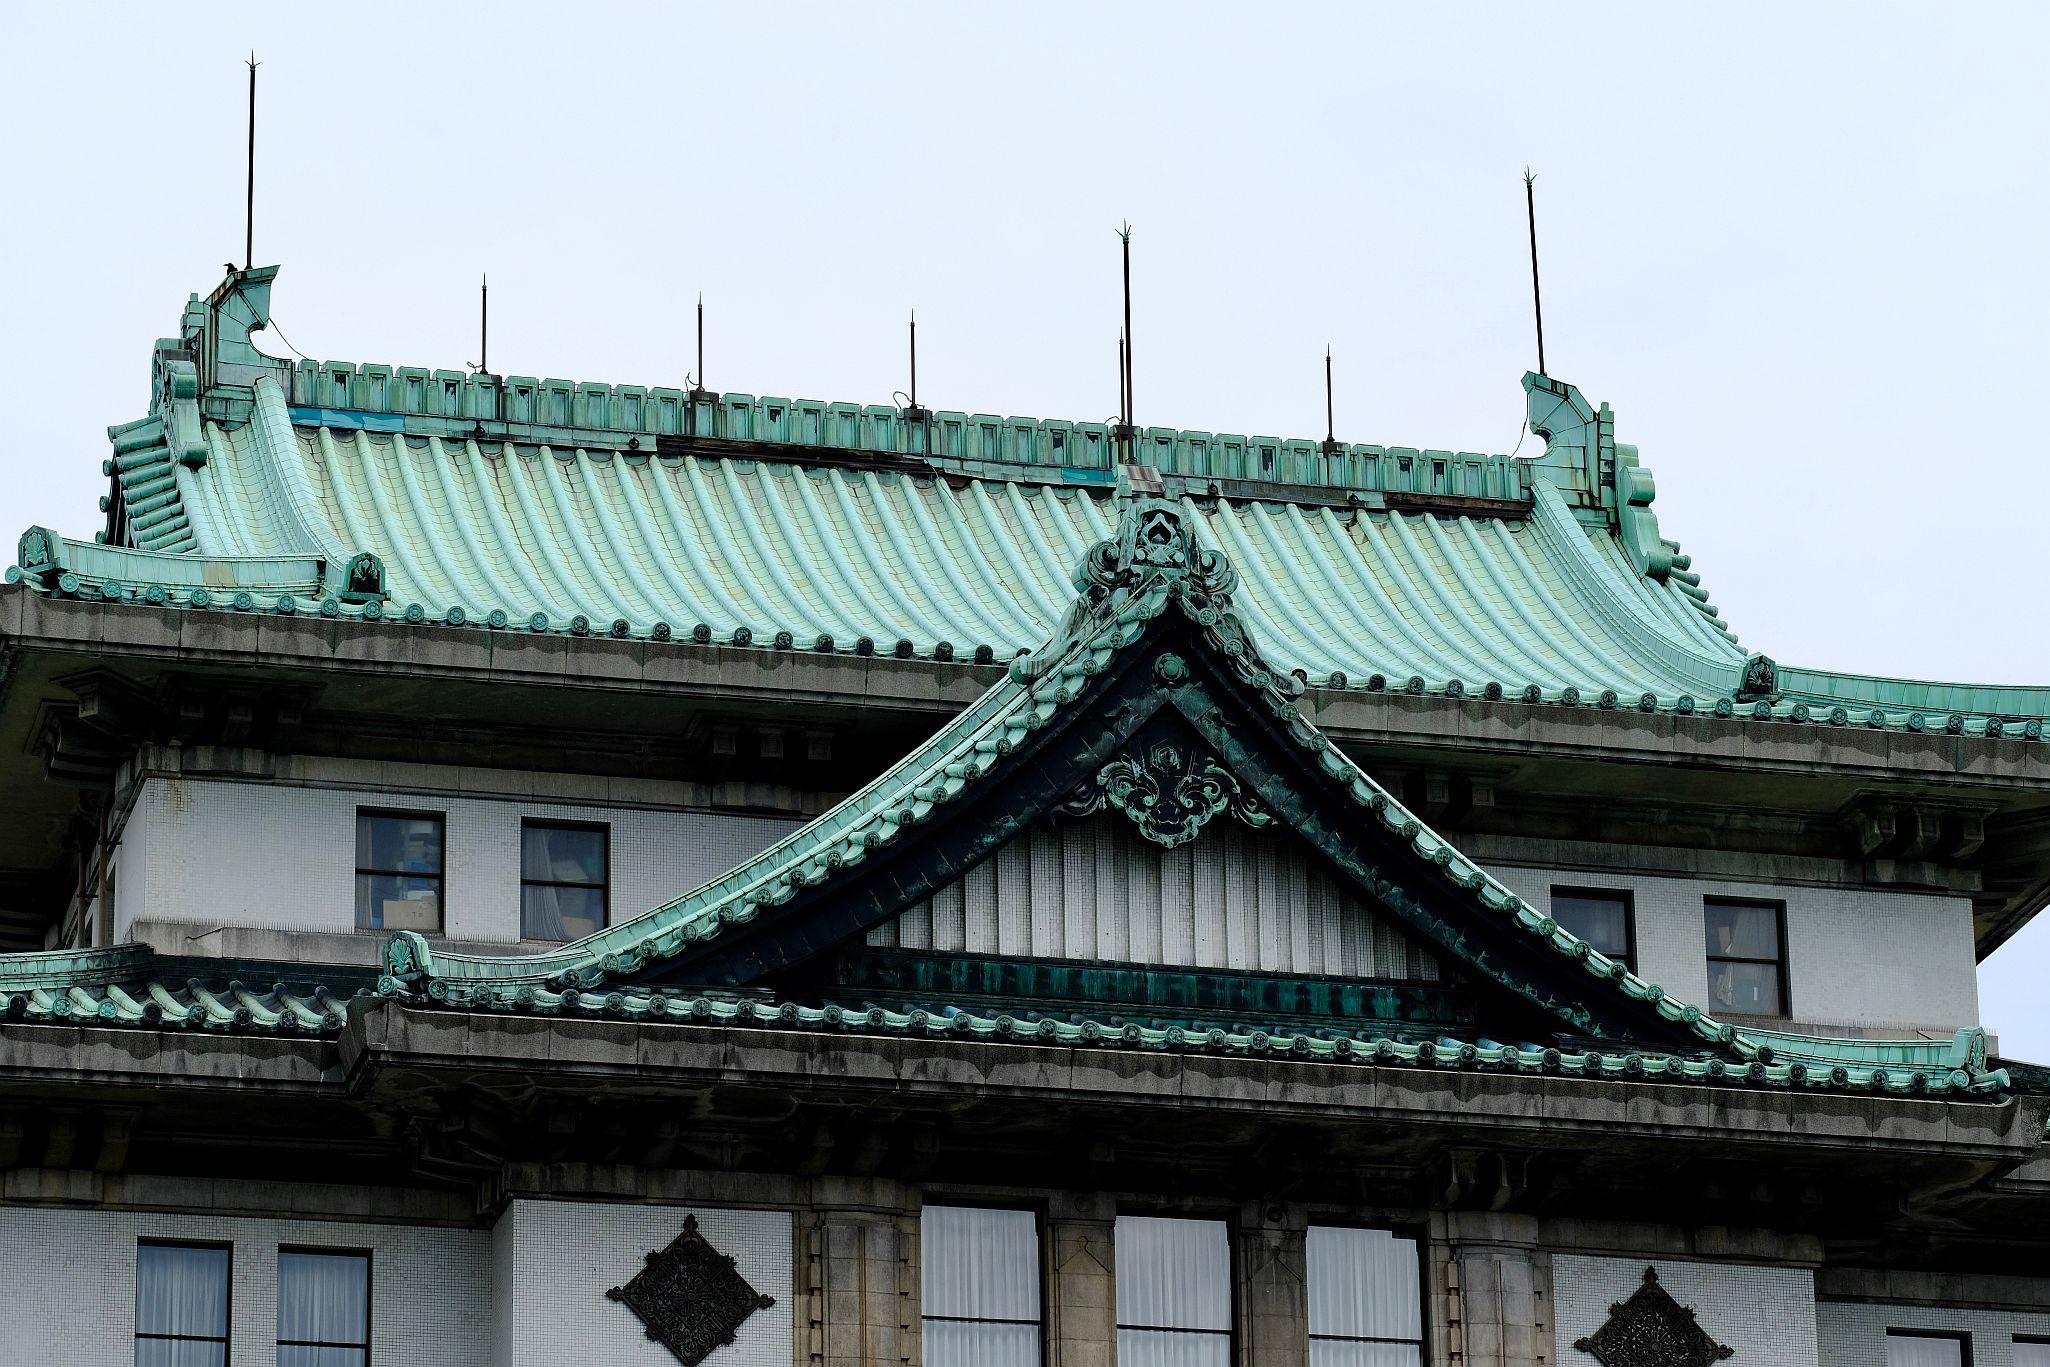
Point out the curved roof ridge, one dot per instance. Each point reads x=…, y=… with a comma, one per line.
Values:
x=1553, y=523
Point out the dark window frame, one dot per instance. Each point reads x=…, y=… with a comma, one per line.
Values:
x=1958, y=1336
x=1231, y=1334
x=1416, y=1234
x=604, y=830
x=1780, y=963
x=440, y=876
x=1038, y=1214
x=369, y=1294
x=227, y=1338
x=1629, y=900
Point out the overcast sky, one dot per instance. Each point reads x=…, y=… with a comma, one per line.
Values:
x=1800, y=249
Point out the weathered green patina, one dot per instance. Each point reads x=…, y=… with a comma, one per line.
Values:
x=511, y=503
x=1151, y=647
x=127, y=985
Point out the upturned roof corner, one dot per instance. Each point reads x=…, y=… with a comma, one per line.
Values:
x=1584, y=459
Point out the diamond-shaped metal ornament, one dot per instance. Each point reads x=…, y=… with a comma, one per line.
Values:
x=690, y=1297
x=1651, y=1329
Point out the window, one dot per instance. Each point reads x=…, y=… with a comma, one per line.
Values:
x=1747, y=963
x=2031, y=1352
x=1366, y=1300
x=1606, y=920
x=981, y=1287
x=1174, y=1292
x=562, y=880
x=181, y=1305
x=323, y=1308
x=398, y=871
x=1927, y=1348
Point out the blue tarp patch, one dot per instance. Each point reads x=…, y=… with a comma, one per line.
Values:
x=348, y=418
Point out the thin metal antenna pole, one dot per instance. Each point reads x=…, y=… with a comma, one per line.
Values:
x=1121, y=385
x=249, y=215
x=1330, y=424
x=914, y=358
x=1125, y=236
x=1537, y=298
x=484, y=325
x=701, y=339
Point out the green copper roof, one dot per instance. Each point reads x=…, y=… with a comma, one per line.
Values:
x=1151, y=565
x=541, y=505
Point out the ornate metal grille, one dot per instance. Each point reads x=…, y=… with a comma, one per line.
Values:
x=1651, y=1329
x=690, y=1296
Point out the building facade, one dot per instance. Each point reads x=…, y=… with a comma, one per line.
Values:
x=504, y=869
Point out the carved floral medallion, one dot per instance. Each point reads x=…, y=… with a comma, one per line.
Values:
x=690, y=1296
x=1169, y=792
x=1651, y=1329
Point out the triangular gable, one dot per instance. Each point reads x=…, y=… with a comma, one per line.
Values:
x=1151, y=700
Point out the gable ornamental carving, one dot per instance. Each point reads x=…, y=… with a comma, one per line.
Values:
x=690, y=1296
x=1651, y=1329
x=1169, y=791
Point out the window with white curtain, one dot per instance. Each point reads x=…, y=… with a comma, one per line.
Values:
x=1174, y=1292
x=1366, y=1304
x=1927, y=1348
x=2030, y=1353
x=981, y=1294
x=181, y=1305
x=323, y=1308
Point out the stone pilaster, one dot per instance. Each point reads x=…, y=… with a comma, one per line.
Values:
x=1491, y=1292
x=1081, y=1312
x=861, y=1253
x=1273, y=1258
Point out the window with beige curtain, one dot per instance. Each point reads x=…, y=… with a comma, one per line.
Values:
x=323, y=1308
x=1174, y=1297
x=1366, y=1302
x=981, y=1287
x=181, y=1305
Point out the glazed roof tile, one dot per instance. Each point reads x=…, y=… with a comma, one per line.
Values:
x=123, y=986
x=512, y=503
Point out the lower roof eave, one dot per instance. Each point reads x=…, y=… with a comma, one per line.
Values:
x=86, y=632
x=387, y=1043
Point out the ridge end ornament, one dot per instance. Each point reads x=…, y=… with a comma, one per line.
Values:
x=689, y=1297
x=1651, y=1329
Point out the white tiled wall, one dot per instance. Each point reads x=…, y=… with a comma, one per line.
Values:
x=563, y=1256
x=1854, y=1335
x=69, y=1290
x=1869, y=959
x=223, y=852
x=1767, y=1314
